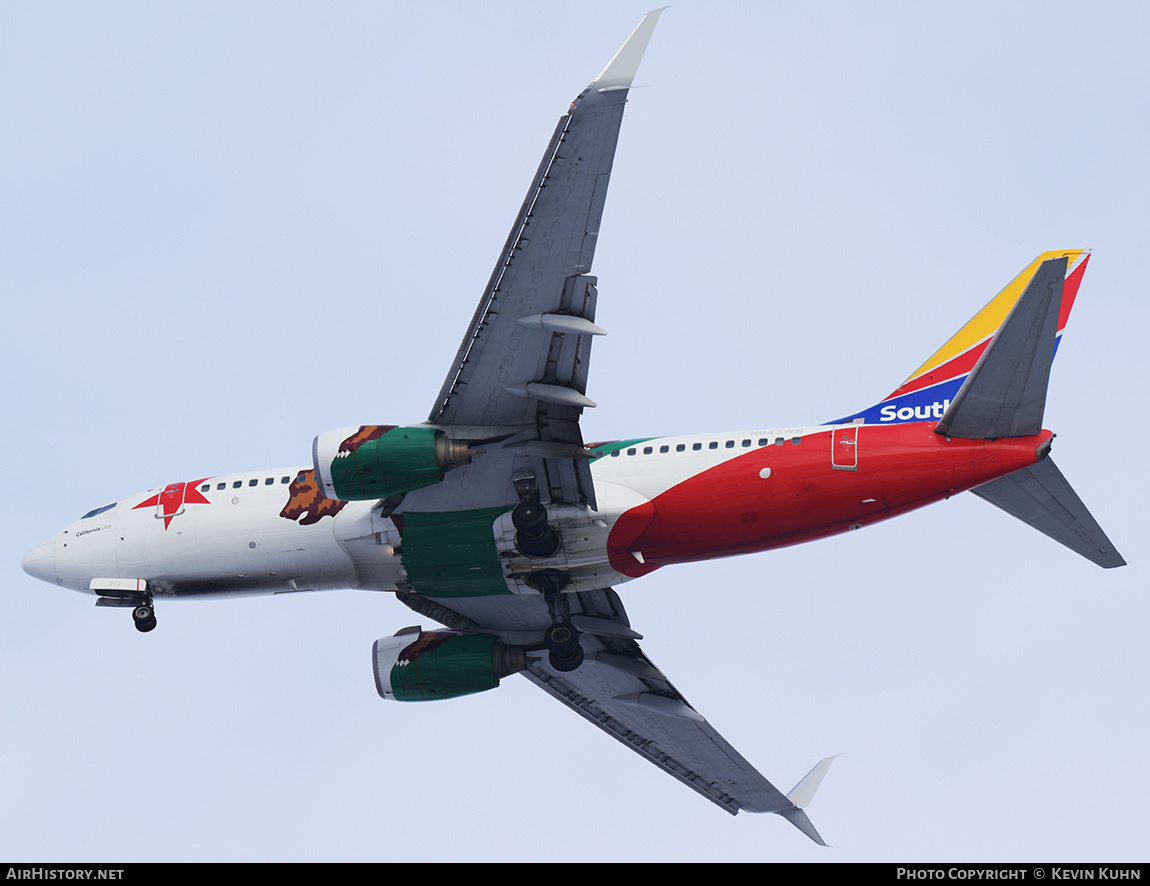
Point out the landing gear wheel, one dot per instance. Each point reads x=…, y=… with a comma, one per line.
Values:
x=529, y=516
x=534, y=537
x=563, y=650
x=566, y=663
x=145, y=618
x=560, y=637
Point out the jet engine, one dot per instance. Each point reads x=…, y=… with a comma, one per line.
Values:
x=418, y=665
x=375, y=461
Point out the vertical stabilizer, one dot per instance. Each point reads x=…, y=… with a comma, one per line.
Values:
x=1005, y=393
x=931, y=388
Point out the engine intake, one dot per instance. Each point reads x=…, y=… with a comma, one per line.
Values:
x=417, y=665
x=375, y=461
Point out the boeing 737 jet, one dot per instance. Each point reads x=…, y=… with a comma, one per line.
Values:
x=495, y=519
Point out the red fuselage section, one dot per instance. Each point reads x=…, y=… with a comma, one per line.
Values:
x=825, y=484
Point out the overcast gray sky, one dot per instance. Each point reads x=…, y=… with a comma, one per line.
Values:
x=227, y=227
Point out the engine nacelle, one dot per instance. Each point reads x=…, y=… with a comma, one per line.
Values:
x=417, y=665
x=375, y=461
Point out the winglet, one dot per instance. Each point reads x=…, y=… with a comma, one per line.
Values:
x=621, y=70
x=802, y=794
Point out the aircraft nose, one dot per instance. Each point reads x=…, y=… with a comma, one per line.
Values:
x=40, y=562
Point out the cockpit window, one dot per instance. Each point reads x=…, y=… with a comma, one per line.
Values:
x=98, y=511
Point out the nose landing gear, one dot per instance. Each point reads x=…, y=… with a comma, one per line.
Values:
x=127, y=593
x=144, y=617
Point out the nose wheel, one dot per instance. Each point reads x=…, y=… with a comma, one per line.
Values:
x=144, y=617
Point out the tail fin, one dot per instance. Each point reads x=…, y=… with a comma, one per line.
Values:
x=1005, y=394
x=990, y=381
x=930, y=390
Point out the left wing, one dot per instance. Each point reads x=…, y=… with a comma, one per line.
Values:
x=515, y=394
x=521, y=370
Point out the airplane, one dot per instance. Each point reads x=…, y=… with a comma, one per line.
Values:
x=495, y=519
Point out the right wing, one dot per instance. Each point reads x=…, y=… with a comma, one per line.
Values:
x=620, y=690
x=516, y=391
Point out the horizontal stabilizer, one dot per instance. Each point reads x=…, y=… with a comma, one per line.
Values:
x=1041, y=496
x=1005, y=393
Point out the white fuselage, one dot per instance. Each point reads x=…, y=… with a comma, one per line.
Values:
x=267, y=532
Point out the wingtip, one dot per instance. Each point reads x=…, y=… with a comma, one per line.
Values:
x=802, y=793
x=800, y=820
x=620, y=71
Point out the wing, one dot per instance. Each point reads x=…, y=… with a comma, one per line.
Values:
x=620, y=690
x=522, y=367
x=515, y=393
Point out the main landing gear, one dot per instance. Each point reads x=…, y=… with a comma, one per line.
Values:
x=537, y=539
x=534, y=537
x=563, y=650
x=561, y=639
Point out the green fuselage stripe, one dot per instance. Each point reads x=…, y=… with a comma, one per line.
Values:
x=453, y=554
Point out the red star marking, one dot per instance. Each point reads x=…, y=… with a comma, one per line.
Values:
x=174, y=497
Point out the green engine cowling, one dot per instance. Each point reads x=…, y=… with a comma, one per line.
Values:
x=374, y=461
x=417, y=665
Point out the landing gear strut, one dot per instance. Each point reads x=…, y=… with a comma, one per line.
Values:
x=561, y=639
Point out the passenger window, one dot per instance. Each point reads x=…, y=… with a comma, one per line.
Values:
x=796, y=440
x=647, y=450
x=630, y=451
x=284, y=480
x=221, y=486
x=730, y=444
x=237, y=484
x=746, y=443
x=779, y=441
x=682, y=447
x=714, y=444
x=614, y=453
x=664, y=448
x=205, y=487
x=696, y=446
x=269, y=481
x=253, y=482
x=763, y=441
